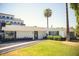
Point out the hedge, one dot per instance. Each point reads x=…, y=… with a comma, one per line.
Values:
x=54, y=37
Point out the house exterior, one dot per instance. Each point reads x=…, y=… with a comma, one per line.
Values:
x=10, y=19
x=21, y=32
x=15, y=29
x=57, y=31
x=17, y=32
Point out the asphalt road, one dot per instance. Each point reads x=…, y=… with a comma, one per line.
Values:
x=10, y=46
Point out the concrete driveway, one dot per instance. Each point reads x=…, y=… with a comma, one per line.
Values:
x=10, y=46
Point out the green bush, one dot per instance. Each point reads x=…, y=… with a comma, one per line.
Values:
x=54, y=37
x=50, y=37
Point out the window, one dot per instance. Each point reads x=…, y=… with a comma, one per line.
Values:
x=49, y=32
x=53, y=33
x=7, y=17
x=9, y=35
x=57, y=32
x=11, y=17
x=0, y=17
x=21, y=23
x=14, y=22
x=3, y=17
x=18, y=23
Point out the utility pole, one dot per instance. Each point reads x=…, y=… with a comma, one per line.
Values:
x=67, y=24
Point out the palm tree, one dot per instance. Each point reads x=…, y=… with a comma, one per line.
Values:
x=67, y=24
x=47, y=14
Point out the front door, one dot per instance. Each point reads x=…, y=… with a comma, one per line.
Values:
x=35, y=34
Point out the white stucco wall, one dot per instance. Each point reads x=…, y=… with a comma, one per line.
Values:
x=41, y=34
x=24, y=34
x=30, y=34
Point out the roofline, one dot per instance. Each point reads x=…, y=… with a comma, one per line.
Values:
x=7, y=14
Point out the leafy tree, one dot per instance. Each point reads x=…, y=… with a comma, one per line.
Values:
x=75, y=7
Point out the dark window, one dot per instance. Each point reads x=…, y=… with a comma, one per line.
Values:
x=18, y=23
x=53, y=33
x=3, y=24
x=21, y=23
x=9, y=35
x=49, y=32
x=14, y=22
x=0, y=17
x=3, y=16
x=57, y=32
x=11, y=17
x=7, y=17
x=35, y=34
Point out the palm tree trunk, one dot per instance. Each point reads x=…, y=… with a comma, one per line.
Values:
x=67, y=24
x=47, y=27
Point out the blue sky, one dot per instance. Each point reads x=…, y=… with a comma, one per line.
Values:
x=33, y=13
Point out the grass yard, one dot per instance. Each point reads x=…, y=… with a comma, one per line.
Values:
x=46, y=48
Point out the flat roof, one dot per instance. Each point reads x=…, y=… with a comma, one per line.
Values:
x=6, y=14
x=31, y=28
x=22, y=28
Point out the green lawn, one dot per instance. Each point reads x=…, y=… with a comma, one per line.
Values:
x=46, y=48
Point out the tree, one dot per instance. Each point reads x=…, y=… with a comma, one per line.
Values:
x=75, y=7
x=47, y=14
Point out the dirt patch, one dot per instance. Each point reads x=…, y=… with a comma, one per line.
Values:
x=71, y=43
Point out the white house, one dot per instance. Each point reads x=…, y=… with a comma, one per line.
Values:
x=10, y=19
x=20, y=32
x=16, y=31
x=57, y=31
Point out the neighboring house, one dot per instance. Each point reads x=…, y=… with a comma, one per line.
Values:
x=10, y=19
x=72, y=33
x=57, y=31
x=62, y=32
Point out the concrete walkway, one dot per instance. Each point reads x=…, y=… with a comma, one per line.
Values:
x=10, y=47
x=71, y=43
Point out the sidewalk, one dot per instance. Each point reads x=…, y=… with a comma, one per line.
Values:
x=71, y=43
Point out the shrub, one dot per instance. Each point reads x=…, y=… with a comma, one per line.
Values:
x=57, y=37
x=54, y=37
x=50, y=37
